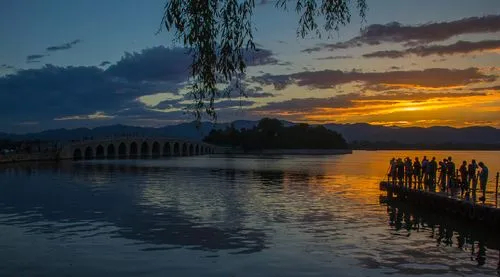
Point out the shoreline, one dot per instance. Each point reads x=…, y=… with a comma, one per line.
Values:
x=288, y=151
x=19, y=158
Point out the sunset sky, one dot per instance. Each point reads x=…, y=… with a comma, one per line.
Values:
x=91, y=63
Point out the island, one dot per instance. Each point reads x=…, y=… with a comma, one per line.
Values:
x=270, y=136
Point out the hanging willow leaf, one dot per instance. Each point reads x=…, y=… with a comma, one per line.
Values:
x=219, y=35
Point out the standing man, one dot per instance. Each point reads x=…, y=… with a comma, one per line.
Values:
x=472, y=178
x=442, y=175
x=425, y=173
x=463, y=178
x=408, y=171
x=433, y=167
x=483, y=180
x=417, y=173
x=450, y=168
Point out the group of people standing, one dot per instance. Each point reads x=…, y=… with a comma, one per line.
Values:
x=424, y=174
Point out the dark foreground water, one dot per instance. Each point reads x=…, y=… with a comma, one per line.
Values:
x=222, y=216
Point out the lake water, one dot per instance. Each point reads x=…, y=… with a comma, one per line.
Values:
x=231, y=216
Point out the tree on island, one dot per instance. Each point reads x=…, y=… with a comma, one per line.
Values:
x=271, y=134
x=219, y=35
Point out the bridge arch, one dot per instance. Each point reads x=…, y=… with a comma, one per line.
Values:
x=125, y=148
x=166, y=149
x=122, y=151
x=133, y=150
x=77, y=154
x=177, y=149
x=144, y=149
x=185, y=149
x=99, y=152
x=155, y=150
x=89, y=153
x=110, y=151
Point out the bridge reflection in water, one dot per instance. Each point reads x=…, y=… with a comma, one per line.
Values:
x=97, y=206
x=131, y=148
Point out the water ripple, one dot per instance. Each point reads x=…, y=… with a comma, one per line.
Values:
x=225, y=216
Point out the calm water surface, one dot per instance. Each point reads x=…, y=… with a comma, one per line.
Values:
x=230, y=216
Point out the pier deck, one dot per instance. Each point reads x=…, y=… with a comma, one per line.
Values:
x=466, y=209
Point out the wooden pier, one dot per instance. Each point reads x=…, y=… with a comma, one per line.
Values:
x=442, y=202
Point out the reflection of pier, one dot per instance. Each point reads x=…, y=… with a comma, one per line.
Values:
x=473, y=237
x=464, y=209
x=134, y=147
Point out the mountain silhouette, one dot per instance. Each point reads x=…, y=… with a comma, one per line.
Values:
x=351, y=132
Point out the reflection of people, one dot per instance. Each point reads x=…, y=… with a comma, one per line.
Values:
x=483, y=179
x=498, y=265
x=481, y=254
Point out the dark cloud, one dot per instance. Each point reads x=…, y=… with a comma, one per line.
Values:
x=260, y=95
x=104, y=63
x=75, y=92
x=417, y=34
x=170, y=64
x=433, y=77
x=245, y=91
x=53, y=91
x=64, y=46
x=487, y=88
x=34, y=58
x=153, y=64
x=394, y=54
x=335, y=57
x=261, y=57
x=234, y=103
x=460, y=47
x=315, y=49
x=307, y=105
x=417, y=96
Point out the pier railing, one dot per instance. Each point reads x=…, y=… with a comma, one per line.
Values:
x=473, y=196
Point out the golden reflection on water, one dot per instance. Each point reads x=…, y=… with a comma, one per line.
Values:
x=282, y=207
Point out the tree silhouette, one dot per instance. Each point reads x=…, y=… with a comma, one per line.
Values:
x=271, y=134
x=219, y=36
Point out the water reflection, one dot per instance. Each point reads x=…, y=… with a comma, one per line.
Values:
x=475, y=239
x=287, y=216
x=101, y=200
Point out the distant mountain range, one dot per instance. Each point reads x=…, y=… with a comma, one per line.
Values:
x=354, y=133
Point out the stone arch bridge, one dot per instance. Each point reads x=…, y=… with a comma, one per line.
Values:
x=133, y=147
